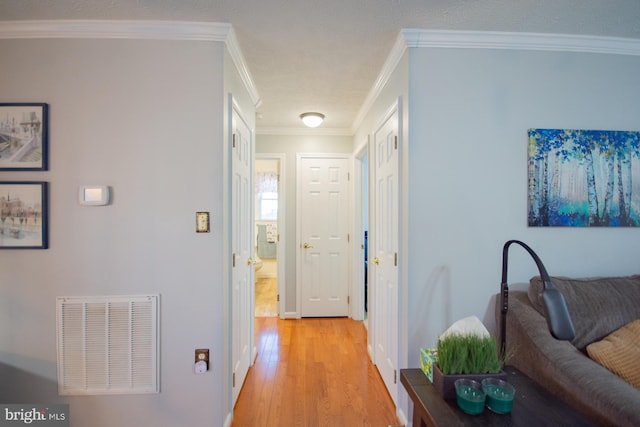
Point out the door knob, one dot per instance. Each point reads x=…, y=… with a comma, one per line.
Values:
x=250, y=261
x=376, y=260
x=307, y=246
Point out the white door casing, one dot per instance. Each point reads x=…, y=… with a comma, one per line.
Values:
x=323, y=227
x=281, y=221
x=360, y=202
x=242, y=236
x=384, y=255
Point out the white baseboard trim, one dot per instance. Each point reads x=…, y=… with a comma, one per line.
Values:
x=227, y=421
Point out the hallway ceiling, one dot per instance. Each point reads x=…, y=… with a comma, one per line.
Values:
x=325, y=56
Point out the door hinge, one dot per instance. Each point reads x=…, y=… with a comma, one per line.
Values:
x=278, y=297
x=348, y=237
x=233, y=260
x=233, y=380
x=395, y=143
x=348, y=299
x=234, y=140
x=348, y=176
x=278, y=237
x=395, y=376
x=395, y=259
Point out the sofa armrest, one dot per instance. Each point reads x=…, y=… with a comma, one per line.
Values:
x=566, y=371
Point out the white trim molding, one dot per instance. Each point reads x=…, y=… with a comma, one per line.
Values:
x=520, y=41
x=100, y=29
x=138, y=30
x=303, y=131
x=241, y=65
x=389, y=66
x=413, y=37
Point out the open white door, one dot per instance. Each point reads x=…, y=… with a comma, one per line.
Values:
x=384, y=244
x=323, y=254
x=242, y=246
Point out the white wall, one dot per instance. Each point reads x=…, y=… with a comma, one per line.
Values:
x=291, y=145
x=145, y=117
x=469, y=114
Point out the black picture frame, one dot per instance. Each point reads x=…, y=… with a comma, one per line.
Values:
x=24, y=136
x=24, y=215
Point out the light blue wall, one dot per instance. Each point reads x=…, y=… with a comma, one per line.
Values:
x=469, y=114
x=145, y=117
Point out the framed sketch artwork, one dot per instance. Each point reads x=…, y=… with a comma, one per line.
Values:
x=23, y=215
x=24, y=136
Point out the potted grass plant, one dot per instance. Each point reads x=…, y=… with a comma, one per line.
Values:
x=465, y=356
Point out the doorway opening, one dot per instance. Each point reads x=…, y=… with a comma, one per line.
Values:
x=267, y=214
x=364, y=231
x=360, y=289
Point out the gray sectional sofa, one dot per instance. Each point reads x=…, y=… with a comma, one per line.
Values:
x=598, y=306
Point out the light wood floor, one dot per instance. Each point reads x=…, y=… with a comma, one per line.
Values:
x=313, y=372
x=266, y=297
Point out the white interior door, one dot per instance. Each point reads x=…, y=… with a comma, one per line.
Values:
x=242, y=247
x=384, y=256
x=323, y=257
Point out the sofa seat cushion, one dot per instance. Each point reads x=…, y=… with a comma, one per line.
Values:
x=619, y=352
x=597, y=305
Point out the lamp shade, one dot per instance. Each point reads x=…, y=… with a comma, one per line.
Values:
x=312, y=120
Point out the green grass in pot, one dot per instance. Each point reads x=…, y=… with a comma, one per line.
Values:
x=468, y=354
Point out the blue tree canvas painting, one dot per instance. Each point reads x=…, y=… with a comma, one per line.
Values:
x=584, y=178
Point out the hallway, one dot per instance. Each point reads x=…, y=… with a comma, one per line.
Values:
x=313, y=372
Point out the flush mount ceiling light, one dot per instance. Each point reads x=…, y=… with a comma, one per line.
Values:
x=312, y=120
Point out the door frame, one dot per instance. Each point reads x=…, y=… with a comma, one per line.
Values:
x=236, y=112
x=403, y=299
x=360, y=156
x=299, y=158
x=280, y=250
x=377, y=323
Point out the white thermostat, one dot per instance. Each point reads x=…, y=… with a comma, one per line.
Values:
x=93, y=195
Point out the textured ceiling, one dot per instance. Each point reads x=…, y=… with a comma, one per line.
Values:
x=308, y=55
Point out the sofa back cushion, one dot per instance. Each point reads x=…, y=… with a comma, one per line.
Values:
x=597, y=305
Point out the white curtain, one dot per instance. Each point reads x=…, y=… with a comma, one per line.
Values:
x=267, y=182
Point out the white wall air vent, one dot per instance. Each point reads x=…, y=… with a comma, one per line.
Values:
x=108, y=345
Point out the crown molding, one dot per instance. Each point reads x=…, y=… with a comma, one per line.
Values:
x=389, y=66
x=241, y=65
x=285, y=131
x=520, y=41
x=139, y=30
x=100, y=29
x=412, y=38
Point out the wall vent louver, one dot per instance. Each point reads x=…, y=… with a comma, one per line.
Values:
x=107, y=345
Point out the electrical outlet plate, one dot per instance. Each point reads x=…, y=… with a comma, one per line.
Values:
x=202, y=355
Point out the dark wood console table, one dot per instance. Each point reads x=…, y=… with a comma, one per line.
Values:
x=533, y=405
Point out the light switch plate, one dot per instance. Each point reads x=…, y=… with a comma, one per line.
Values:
x=202, y=222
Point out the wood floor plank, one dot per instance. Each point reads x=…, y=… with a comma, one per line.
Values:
x=313, y=373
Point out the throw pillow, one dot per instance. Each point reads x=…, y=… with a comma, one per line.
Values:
x=619, y=352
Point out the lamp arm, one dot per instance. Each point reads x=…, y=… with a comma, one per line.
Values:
x=558, y=318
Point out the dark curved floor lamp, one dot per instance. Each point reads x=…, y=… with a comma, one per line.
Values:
x=558, y=318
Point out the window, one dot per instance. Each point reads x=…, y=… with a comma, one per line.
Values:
x=267, y=200
x=268, y=205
